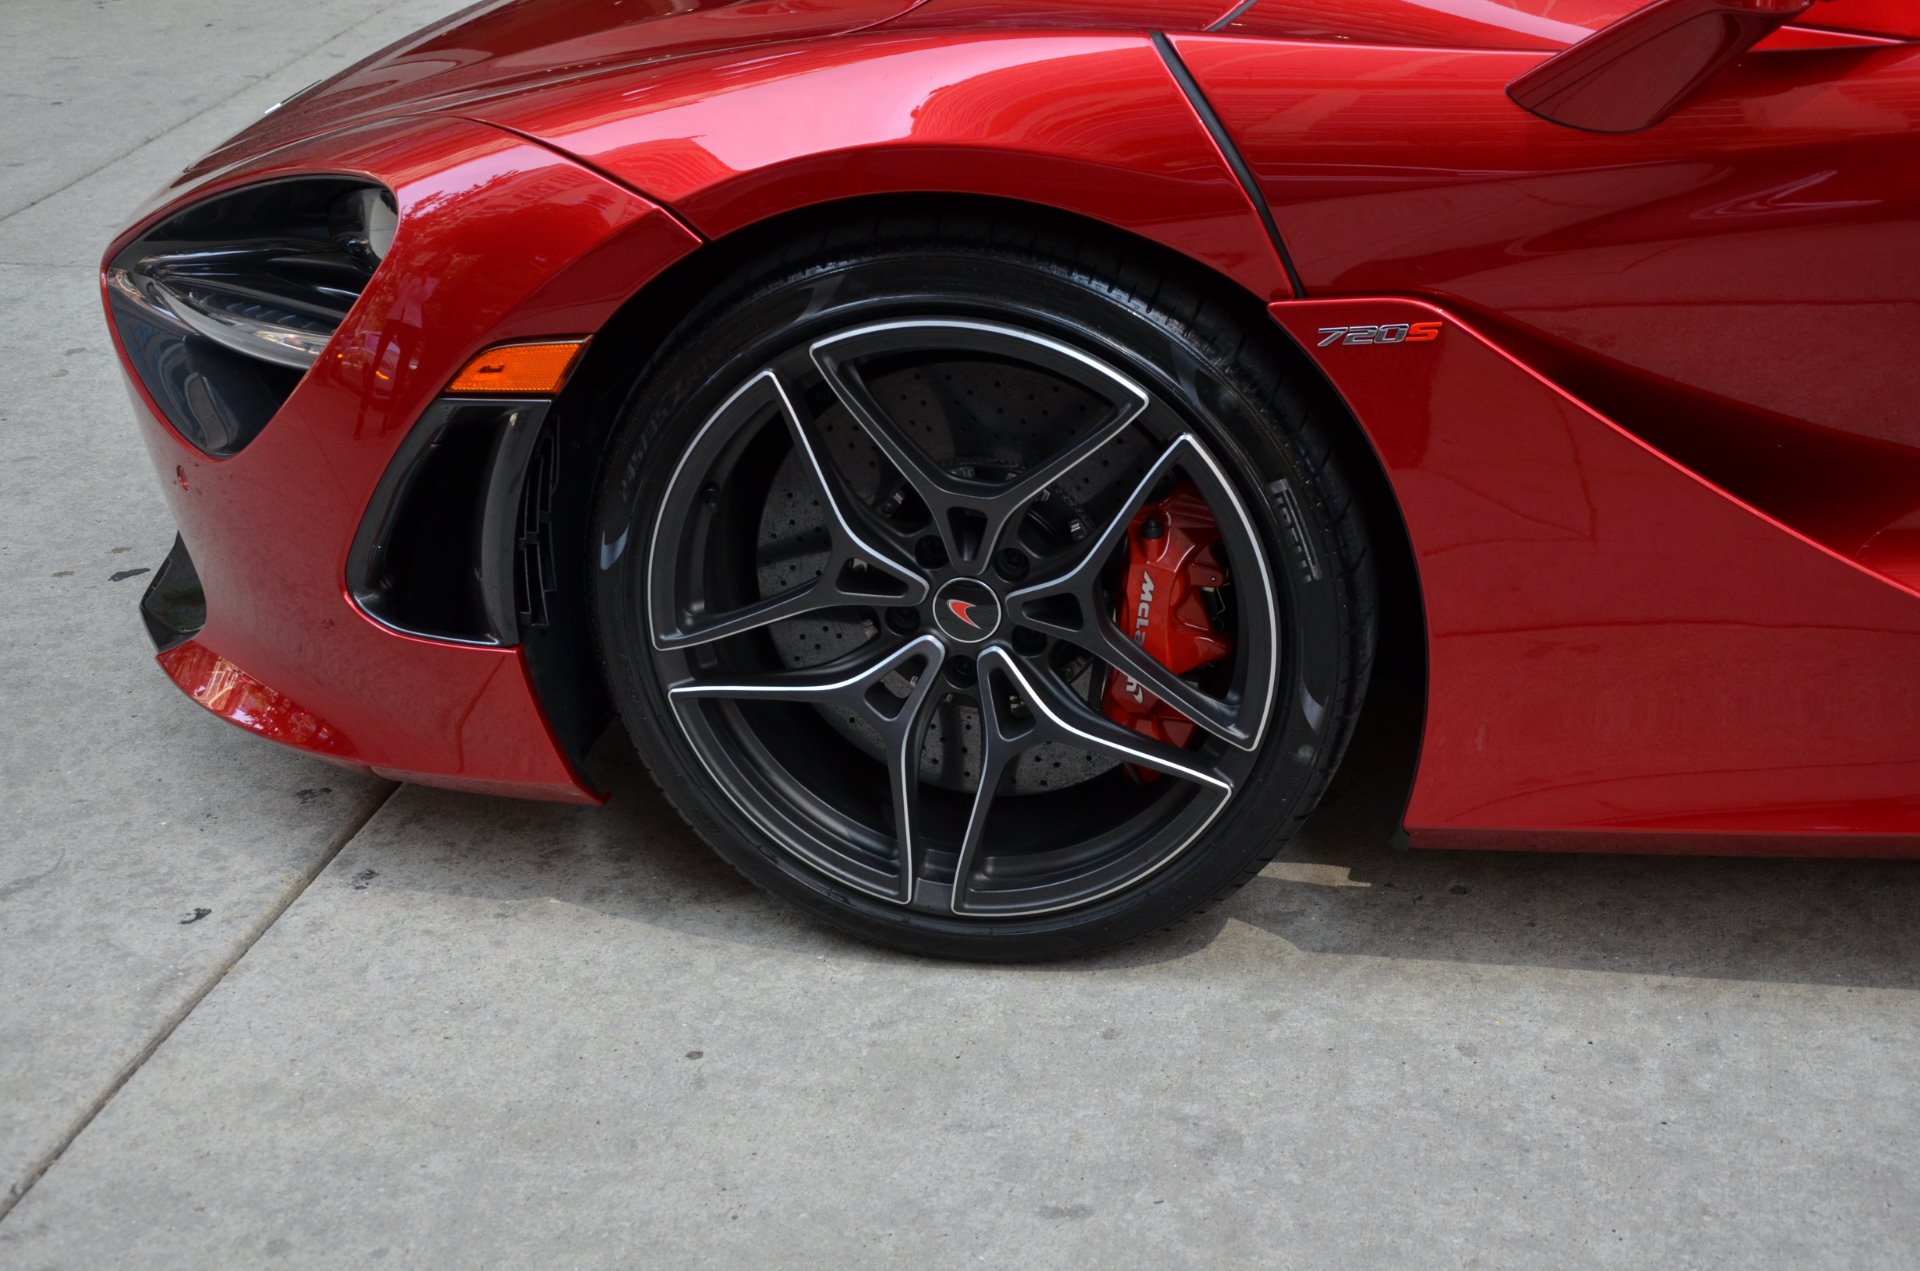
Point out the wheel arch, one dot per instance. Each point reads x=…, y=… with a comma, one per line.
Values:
x=592, y=403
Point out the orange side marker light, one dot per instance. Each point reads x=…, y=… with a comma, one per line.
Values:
x=520, y=370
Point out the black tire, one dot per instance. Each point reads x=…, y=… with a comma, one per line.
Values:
x=795, y=790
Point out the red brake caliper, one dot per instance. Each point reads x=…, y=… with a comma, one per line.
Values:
x=1172, y=557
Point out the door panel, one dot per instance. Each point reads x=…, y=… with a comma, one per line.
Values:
x=1761, y=247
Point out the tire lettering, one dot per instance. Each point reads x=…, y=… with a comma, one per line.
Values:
x=1295, y=518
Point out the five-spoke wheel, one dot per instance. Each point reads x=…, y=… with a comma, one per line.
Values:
x=883, y=590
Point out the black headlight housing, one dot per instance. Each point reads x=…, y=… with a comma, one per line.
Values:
x=222, y=307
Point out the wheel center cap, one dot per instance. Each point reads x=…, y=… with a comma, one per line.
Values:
x=966, y=610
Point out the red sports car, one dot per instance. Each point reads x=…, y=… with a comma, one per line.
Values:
x=971, y=445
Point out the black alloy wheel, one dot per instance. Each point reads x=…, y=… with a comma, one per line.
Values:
x=860, y=549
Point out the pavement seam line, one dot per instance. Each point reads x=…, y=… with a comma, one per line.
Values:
x=368, y=807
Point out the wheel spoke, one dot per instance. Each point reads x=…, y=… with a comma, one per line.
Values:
x=1080, y=581
x=792, y=603
x=857, y=573
x=972, y=516
x=1219, y=717
x=904, y=742
x=859, y=552
x=1033, y=483
x=1002, y=738
x=1059, y=715
x=935, y=488
x=834, y=686
x=1071, y=605
x=900, y=724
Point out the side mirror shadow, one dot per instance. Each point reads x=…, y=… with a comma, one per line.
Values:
x=1636, y=72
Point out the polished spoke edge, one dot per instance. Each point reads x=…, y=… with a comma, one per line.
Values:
x=850, y=548
x=944, y=494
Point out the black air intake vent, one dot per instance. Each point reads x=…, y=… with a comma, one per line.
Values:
x=454, y=545
x=536, y=579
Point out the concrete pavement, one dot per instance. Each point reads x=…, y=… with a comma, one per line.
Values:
x=442, y=1030
x=121, y=813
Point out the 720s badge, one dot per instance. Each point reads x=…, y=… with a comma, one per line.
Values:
x=1391, y=333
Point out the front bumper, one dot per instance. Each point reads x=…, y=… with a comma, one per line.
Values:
x=499, y=240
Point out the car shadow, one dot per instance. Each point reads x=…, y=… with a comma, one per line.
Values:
x=1340, y=889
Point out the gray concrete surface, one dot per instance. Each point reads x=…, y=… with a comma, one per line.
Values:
x=123, y=808
x=492, y=1033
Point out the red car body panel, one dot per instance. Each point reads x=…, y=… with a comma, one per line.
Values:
x=1757, y=246
x=1617, y=650
x=285, y=652
x=926, y=113
x=1659, y=471
x=1896, y=18
x=492, y=49
x=1056, y=15
x=1538, y=25
x=1543, y=25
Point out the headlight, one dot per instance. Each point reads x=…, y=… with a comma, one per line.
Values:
x=363, y=223
x=222, y=306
